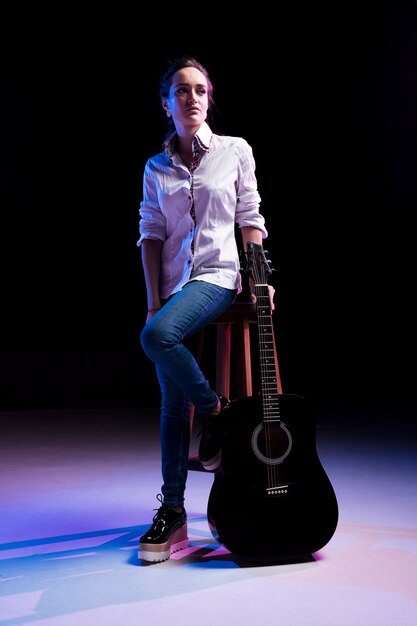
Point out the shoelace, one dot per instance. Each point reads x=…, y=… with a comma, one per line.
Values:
x=163, y=507
x=161, y=500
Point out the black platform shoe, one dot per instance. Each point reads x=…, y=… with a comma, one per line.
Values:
x=167, y=535
x=210, y=448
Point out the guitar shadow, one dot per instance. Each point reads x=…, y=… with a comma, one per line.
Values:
x=206, y=551
x=204, y=556
x=217, y=556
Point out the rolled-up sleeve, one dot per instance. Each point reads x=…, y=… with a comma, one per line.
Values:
x=152, y=223
x=248, y=198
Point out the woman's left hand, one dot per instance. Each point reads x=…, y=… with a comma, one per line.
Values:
x=271, y=294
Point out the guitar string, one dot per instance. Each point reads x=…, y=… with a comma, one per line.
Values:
x=257, y=281
x=270, y=395
x=263, y=374
x=263, y=380
x=264, y=334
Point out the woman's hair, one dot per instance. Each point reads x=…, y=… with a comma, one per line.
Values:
x=179, y=64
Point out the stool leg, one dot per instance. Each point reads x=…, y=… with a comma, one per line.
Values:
x=223, y=349
x=243, y=359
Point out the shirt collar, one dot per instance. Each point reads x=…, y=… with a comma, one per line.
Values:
x=203, y=137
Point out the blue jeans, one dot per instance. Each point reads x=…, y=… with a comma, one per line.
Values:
x=180, y=378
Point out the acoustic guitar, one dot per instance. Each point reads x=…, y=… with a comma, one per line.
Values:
x=271, y=499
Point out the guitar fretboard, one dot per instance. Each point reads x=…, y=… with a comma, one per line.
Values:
x=269, y=383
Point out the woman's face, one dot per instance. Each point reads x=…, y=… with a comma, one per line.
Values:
x=188, y=98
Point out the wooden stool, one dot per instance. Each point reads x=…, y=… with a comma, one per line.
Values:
x=233, y=323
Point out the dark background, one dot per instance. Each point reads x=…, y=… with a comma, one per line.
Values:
x=327, y=98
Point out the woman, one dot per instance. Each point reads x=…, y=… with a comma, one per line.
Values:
x=193, y=193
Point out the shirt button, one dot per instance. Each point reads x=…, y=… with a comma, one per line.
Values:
x=189, y=261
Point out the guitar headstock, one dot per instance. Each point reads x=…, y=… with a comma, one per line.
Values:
x=258, y=266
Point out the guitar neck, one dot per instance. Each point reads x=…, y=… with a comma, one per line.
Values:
x=269, y=378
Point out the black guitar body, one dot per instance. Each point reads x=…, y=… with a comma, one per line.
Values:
x=271, y=500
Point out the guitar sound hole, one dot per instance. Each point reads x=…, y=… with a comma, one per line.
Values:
x=271, y=442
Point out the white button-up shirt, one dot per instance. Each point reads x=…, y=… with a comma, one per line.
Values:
x=225, y=192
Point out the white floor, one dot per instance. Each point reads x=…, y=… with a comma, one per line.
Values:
x=78, y=488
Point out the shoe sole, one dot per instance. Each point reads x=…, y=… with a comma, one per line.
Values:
x=212, y=464
x=158, y=552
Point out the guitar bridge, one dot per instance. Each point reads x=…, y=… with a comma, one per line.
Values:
x=279, y=490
